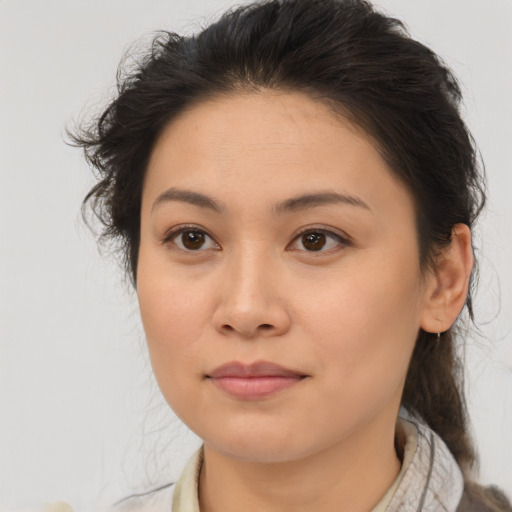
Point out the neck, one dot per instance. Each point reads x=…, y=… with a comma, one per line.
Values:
x=354, y=473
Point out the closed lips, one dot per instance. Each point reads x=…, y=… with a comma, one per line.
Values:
x=254, y=370
x=256, y=381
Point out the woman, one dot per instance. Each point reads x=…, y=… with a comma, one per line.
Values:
x=294, y=191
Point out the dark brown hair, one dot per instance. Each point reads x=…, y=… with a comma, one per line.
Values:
x=365, y=65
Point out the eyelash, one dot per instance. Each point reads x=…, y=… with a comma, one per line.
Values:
x=175, y=232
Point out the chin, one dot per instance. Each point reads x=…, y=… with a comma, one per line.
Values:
x=259, y=452
x=262, y=446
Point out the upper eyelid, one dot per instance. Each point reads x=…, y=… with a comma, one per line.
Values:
x=324, y=229
x=176, y=230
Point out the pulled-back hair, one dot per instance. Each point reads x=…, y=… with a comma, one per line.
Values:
x=364, y=65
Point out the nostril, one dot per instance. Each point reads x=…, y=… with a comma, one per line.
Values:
x=266, y=327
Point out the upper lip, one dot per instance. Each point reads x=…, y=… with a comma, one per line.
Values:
x=256, y=369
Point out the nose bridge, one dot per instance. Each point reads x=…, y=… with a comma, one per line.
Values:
x=246, y=284
x=250, y=302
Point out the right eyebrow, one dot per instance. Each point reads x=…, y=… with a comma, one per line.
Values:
x=320, y=198
x=187, y=196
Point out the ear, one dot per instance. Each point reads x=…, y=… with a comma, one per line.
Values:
x=448, y=283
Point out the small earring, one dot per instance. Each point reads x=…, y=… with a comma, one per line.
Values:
x=438, y=339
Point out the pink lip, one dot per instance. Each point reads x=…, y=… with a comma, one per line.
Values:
x=254, y=381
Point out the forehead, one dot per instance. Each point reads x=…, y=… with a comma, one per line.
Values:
x=272, y=144
x=267, y=122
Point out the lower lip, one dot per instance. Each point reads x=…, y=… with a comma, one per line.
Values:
x=254, y=388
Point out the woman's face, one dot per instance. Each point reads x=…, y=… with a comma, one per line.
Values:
x=273, y=233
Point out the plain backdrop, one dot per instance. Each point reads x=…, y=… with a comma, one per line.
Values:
x=81, y=419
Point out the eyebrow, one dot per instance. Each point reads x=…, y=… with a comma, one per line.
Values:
x=293, y=204
x=306, y=201
x=188, y=196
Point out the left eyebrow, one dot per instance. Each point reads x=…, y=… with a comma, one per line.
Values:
x=189, y=196
x=313, y=200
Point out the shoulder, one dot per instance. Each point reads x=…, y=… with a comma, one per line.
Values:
x=157, y=500
x=183, y=495
x=477, y=498
x=56, y=506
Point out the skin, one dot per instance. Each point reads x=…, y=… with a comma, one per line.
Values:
x=345, y=316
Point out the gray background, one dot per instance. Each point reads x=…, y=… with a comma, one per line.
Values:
x=81, y=419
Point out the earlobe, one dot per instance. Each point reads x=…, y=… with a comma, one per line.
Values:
x=448, y=284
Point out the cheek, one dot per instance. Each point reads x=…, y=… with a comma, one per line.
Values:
x=365, y=323
x=175, y=314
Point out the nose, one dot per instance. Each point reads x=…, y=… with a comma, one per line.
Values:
x=250, y=304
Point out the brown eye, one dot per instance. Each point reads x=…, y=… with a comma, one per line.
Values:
x=192, y=240
x=314, y=241
x=319, y=240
